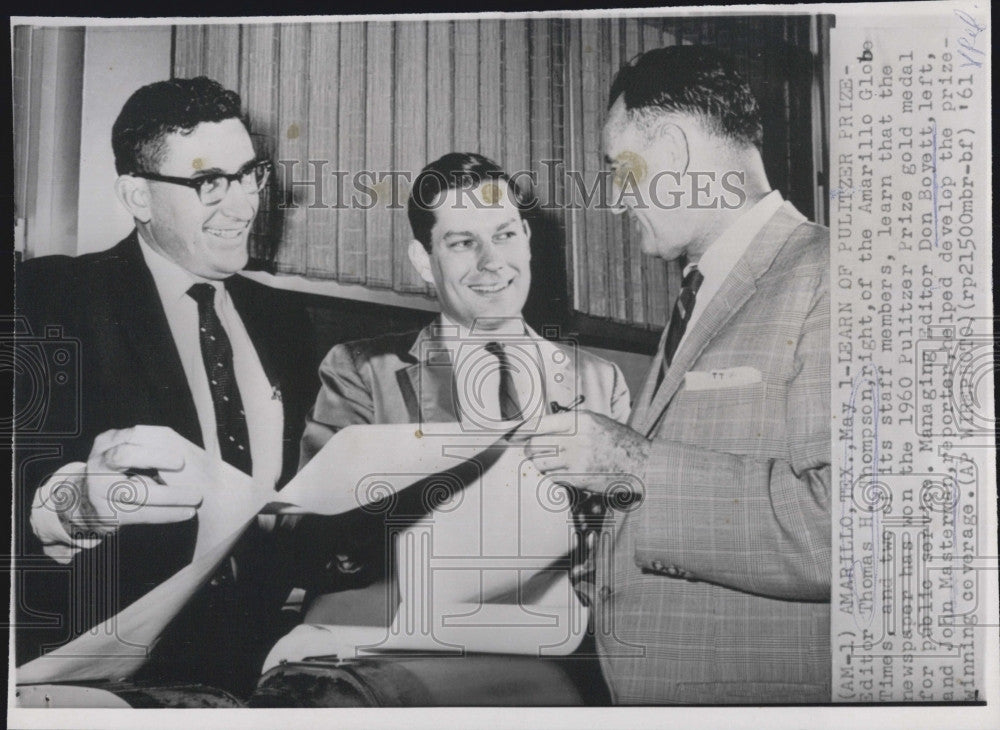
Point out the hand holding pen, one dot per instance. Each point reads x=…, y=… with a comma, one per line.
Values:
x=589, y=447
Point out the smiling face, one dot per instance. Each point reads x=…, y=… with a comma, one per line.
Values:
x=208, y=240
x=480, y=257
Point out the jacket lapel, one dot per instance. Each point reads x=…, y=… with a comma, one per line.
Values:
x=737, y=288
x=432, y=379
x=643, y=400
x=560, y=374
x=239, y=289
x=144, y=323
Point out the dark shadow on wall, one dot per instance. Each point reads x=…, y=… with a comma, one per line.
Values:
x=547, y=308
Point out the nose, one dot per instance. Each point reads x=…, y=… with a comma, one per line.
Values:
x=615, y=196
x=238, y=204
x=489, y=257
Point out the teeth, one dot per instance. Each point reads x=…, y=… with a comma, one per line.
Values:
x=488, y=289
x=230, y=233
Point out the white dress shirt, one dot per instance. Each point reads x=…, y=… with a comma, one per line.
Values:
x=477, y=372
x=264, y=413
x=721, y=256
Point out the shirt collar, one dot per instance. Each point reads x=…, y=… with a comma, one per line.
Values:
x=453, y=333
x=723, y=253
x=172, y=280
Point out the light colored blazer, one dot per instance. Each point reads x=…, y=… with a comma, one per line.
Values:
x=716, y=588
x=409, y=378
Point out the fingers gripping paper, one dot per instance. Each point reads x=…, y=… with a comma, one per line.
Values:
x=484, y=531
x=117, y=647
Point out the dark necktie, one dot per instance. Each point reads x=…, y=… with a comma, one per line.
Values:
x=230, y=420
x=510, y=407
x=680, y=317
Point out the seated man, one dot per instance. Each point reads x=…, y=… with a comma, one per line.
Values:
x=479, y=364
x=174, y=347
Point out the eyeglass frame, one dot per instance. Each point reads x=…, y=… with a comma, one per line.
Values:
x=195, y=183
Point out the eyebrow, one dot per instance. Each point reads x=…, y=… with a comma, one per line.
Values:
x=472, y=234
x=242, y=169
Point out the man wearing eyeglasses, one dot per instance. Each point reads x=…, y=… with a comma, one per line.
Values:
x=174, y=348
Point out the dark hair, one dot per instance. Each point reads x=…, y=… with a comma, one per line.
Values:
x=696, y=80
x=454, y=171
x=156, y=110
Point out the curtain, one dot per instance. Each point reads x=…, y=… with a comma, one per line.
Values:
x=361, y=107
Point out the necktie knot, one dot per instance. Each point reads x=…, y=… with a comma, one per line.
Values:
x=202, y=293
x=683, y=306
x=692, y=280
x=496, y=350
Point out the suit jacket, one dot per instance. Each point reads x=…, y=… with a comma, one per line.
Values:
x=716, y=587
x=409, y=378
x=127, y=371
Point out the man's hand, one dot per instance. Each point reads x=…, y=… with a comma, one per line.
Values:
x=111, y=494
x=589, y=447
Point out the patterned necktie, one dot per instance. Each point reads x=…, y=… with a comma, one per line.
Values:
x=230, y=420
x=680, y=317
x=510, y=407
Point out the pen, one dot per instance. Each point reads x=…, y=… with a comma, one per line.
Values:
x=555, y=407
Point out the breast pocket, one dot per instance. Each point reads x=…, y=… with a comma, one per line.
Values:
x=742, y=419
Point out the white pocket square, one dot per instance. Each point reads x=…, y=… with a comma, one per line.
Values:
x=723, y=378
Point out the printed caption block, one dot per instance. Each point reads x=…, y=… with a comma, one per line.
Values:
x=913, y=357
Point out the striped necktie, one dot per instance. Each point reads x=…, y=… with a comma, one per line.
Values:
x=683, y=306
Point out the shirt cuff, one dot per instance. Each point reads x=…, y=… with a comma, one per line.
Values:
x=52, y=499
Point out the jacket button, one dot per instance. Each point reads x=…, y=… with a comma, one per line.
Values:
x=226, y=574
x=346, y=565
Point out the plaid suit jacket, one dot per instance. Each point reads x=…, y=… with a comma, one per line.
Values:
x=716, y=587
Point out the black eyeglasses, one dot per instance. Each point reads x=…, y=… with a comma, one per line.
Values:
x=212, y=188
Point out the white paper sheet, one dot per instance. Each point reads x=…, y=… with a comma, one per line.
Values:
x=552, y=626
x=474, y=574
x=511, y=521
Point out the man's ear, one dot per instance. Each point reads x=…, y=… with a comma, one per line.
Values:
x=421, y=261
x=674, y=142
x=134, y=195
x=527, y=234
